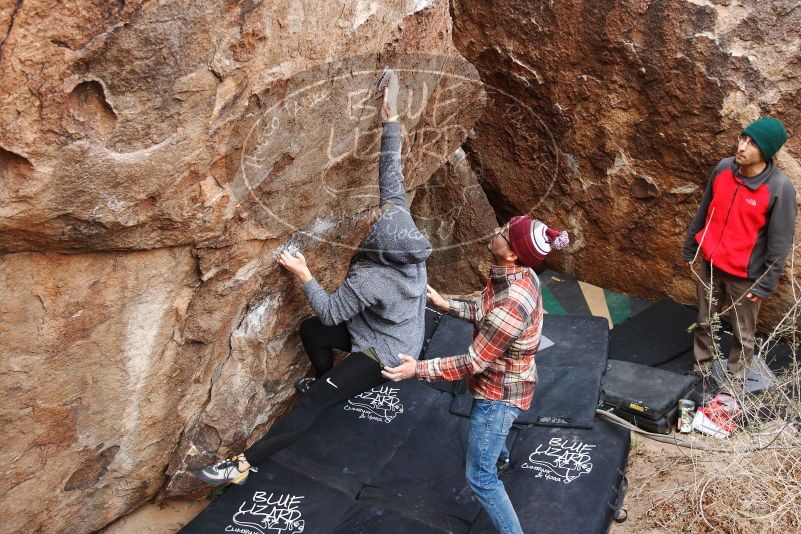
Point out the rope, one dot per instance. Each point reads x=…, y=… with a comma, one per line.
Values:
x=609, y=416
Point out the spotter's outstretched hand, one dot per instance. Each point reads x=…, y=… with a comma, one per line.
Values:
x=436, y=300
x=408, y=369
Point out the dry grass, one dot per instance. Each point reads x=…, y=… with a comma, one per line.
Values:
x=752, y=487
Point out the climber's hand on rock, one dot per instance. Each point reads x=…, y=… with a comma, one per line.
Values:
x=296, y=265
x=389, y=111
x=436, y=300
x=408, y=369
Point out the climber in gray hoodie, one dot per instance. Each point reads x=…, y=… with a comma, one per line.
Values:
x=377, y=312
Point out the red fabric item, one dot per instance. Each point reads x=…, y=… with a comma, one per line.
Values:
x=521, y=239
x=552, y=234
x=734, y=219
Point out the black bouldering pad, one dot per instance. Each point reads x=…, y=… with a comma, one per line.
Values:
x=569, y=374
x=429, y=471
x=275, y=499
x=432, y=319
x=683, y=363
x=357, y=438
x=452, y=337
x=566, y=480
x=366, y=518
x=567, y=292
x=655, y=335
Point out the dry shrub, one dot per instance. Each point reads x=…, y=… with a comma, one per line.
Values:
x=754, y=486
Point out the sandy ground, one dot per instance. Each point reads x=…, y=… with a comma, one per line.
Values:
x=656, y=472
x=167, y=518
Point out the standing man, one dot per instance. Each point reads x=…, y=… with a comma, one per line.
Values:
x=744, y=228
x=499, y=365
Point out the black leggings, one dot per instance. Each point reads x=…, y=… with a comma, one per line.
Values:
x=355, y=374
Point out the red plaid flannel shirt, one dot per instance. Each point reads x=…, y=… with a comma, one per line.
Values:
x=499, y=365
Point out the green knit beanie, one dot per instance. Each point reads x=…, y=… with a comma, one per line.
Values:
x=768, y=134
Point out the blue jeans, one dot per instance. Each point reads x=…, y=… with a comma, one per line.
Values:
x=490, y=422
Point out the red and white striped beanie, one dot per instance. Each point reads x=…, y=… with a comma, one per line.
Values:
x=532, y=240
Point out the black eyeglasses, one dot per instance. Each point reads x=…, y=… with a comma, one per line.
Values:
x=500, y=233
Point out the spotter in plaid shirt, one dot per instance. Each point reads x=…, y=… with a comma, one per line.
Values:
x=499, y=365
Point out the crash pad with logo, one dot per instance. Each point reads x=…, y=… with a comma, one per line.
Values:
x=566, y=480
x=428, y=473
x=358, y=437
x=276, y=500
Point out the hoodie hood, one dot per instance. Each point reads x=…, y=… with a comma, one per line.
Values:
x=394, y=240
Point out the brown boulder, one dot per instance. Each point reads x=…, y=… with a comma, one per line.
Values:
x=607, y=118
x=172, y=148
x=452, y=210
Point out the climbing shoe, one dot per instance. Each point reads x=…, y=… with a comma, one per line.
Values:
x=304, y=385
x=225, y=472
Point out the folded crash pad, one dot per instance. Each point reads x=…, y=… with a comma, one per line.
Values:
x=646, y=396
x=274, y=500
x=358, y=437
x=566, y=480
x=654, y=336
x=569, y=374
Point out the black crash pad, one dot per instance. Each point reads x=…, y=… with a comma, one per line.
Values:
x=432, y=319
x=569, y=374
x=644, y=390
x=366, y=518
x=683, y=363
x=655, y=335
x=566, y=480
x=357, y=438
x=273, y=500
x=429, y=471
x=451, y=337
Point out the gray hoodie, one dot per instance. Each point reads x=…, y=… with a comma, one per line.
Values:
x=383, y=297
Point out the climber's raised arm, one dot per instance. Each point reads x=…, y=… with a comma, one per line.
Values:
x=390, y=176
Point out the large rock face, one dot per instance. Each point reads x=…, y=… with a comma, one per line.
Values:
x=153, y=156
x=607, y=118
x=452, y=210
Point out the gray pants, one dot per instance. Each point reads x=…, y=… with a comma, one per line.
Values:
x=726, y=288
